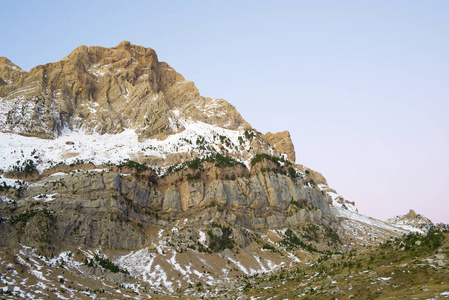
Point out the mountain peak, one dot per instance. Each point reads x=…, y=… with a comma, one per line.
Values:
x=124, y=44
x=4, y=61
x=9, y=72
x=411, y=214
x=412, y=220
x=108, y=90
x=282, y=142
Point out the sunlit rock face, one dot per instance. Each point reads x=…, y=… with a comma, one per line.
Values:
x=105, y=90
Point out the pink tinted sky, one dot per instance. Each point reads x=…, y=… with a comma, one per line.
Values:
x=361, y=85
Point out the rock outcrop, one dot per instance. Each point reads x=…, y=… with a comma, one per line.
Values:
x=98, y=208
x=9, y=72
x=413, y=220
x=106, y=90
x=186, y=197
x=282, y=142
x=214, y=166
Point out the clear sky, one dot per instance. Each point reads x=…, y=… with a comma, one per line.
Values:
x=362, y=86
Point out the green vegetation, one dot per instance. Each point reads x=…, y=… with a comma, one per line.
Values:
x=291, y=241
x=223, y=161
x=133, y=165
x=401, y=268
x=260, y=157
x=201, y=140
x=4, y=187
x=274, y=170
x=29, y=214
x=266, y=246
x=218, y=243
x=224, y=140
x=332, y=236
x=292, y=172
x=80, y=162
x=417, y=242
x=197, y=163
x=27, y=167
x=105, y=263
x=249, y=134
x=283, y=166
x=303, y=204
x=196, y=176
x=311, y=232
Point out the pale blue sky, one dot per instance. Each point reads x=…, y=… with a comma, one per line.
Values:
x=363, y=86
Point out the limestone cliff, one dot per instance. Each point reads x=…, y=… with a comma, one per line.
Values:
x=282, y=142
x=94, y=208
x=9, y=72
x=114, y=163
x=105, y=90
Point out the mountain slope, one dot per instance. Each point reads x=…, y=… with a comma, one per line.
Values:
x=105, y=90
x=118, y=170
x=412, y=221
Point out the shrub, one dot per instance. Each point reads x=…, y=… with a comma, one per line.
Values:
x=197, y=163
x=291, y=241
x=196, y=176
x=332, y=235
x=268, y=247
x=133, y=165
x=292, y=172
x=249, y=134
x=29, y=214
x=4, y=187
x=27, y=167
x=105, y=263
x=260, y=157
x=218, y=243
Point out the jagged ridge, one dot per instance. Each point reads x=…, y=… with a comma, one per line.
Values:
x=105, y=90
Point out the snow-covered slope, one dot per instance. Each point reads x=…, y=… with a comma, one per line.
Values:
x=357, y=229
x=412, y=222
x=79, y=147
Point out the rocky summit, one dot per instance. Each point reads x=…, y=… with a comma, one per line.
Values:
x=118, y=179
x=105, y=90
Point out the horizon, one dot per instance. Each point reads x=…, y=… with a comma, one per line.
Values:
x=362, y=88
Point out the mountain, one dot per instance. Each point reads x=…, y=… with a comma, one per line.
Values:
x=414, y=222
x=106, y=90
x=118, y=179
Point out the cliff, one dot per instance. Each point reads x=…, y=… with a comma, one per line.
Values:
x=116, y=173
x=105, y=90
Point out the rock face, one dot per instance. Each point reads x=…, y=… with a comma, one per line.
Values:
x=182, y=163
x=100, y=208
x=186, y=197
x=9, y=72
x=194, y=157
x=412, y=219
x=105, y=90
x=282, y=142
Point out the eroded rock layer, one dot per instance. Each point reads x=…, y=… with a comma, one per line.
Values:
x=105, y=90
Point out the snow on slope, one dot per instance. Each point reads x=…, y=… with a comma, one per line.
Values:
x=412, y=221
x=355, y=216
x=358, y=228
x=74, y=146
